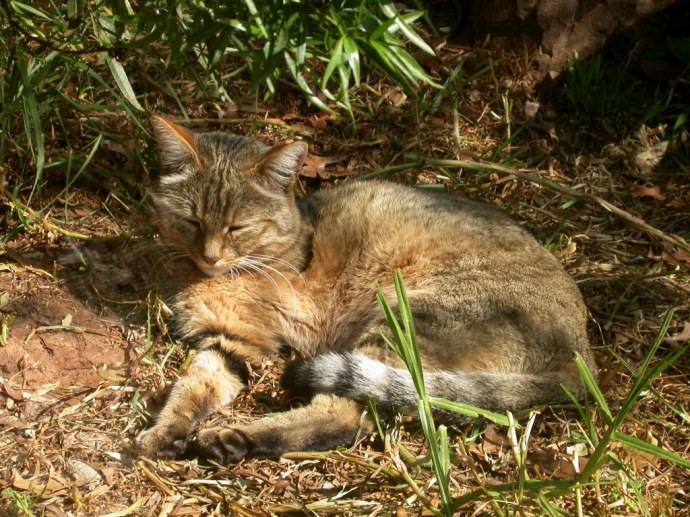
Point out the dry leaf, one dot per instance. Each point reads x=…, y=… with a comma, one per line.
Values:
x=55, y=485
x=53, y=509
x=275, y=121
x=127, y=150
x=555, y=464
x=107, y=474
x=319, y=123
x=531, y=109
x=671, y=254
x=653, y=192
x=491, y=435
x=291, y=116
x=567, y=250
x=679, y=337
x=315, y=167
x=83, y=474
x=67, y=320
x=649, y=158
x=10, y=392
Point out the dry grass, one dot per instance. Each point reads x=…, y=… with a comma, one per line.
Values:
x=61, y=446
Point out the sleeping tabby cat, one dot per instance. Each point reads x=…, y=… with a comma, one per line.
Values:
x=499, y=322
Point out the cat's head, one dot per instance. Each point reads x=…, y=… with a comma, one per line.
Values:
x=225, y=200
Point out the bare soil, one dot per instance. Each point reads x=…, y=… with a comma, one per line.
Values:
x=55, y=338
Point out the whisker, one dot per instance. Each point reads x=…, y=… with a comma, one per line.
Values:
x=278, y=261
x=280, y=274
x=252, y=265
x=166, y=259
x=239, y=266
x=260, y=265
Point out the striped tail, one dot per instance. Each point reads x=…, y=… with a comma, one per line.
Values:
x=356, y=376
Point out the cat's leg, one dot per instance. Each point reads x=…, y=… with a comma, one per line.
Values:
x=327, y=422
x=222, y=319
x=208, y=385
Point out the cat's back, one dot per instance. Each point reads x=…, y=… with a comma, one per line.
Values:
x=384, y=215
x=365, y=231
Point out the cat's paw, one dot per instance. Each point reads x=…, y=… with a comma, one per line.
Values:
x=223, y=444
x=160, y=442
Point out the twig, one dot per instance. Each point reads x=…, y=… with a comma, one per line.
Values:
x=155, y=479
x=33, y=215
x=68, y=328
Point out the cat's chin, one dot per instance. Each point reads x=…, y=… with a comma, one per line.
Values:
x=212, y=271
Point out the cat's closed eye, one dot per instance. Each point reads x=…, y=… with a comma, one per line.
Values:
x=190, y=225
x=234, y=228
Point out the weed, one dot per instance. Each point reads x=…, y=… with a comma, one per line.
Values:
x=591, y=90
x=21, y=504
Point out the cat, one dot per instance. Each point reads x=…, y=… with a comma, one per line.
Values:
x=498, y=320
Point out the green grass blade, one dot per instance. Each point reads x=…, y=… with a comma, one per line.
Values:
x=32, y=125
x=644, y=377
x=122, y=82
x=467, y=410
x=352, y=56
x=333, y=63
x=650, y=448
x=593, y=387
x=392, y=13
x=406, y=316
x=251, y=6
x=302, y=83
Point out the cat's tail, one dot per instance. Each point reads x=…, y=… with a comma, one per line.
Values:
x=356, y=376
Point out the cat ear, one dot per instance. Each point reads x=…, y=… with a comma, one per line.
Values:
x=283, y=163
x=175, y=144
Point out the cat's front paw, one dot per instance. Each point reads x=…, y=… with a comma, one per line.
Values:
x=160, y=442
x=223, y=444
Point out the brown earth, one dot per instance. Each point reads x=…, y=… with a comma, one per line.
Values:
x=54, y=338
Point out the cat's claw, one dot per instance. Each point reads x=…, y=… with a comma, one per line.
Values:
x=160, y=442
x=223, y=445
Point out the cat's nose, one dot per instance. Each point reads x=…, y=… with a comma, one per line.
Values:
x=211, y=260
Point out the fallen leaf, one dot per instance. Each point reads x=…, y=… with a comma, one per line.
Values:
x=83, y=474
x=67, y=320
x=108, y=474
x=42, y=390
x=555, y=464
x=53, y=487
x=319, y=123
x=55, y=510
x=654, y=192
x=679, y=337
x=567, y=250
x=671, y=254
x=10, y=392
x=491, y=435
x=678, y=253
x=315, y=167
x=531, y=109
x=291, y=116
x=674, y=255
x=274, y=121
x=649, y=158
